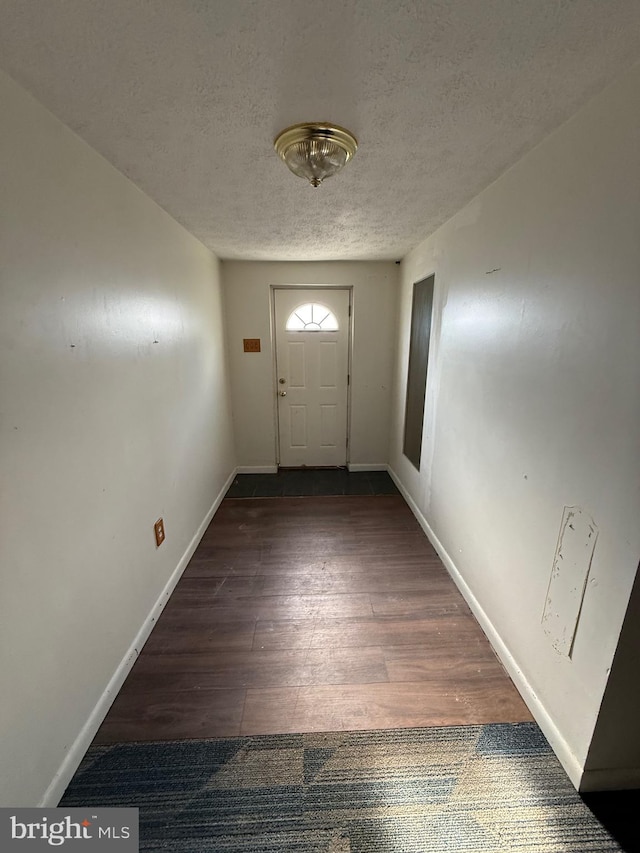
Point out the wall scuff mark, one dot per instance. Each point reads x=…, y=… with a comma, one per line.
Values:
x=569, y=576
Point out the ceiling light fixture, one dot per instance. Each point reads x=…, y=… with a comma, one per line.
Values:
x=315, y=151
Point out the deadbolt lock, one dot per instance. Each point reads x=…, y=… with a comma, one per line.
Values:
x=282, y=381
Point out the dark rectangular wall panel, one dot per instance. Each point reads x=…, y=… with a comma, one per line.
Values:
x=421, y=311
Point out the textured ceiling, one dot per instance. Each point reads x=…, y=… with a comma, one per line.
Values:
x=186, y=96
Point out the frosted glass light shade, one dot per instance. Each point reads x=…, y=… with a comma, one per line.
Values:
x=315, y=151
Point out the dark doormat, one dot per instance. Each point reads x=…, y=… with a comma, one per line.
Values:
x=295, y=482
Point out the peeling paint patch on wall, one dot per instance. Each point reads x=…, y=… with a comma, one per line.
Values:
x=569, y=575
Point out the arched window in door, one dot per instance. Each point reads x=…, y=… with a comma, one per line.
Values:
x=312, y=317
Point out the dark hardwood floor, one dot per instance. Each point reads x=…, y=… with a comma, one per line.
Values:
x=312, y=614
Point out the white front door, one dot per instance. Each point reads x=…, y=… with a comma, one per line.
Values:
x=312, y=363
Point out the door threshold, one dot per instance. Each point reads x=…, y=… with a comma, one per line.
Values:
x=312, y=467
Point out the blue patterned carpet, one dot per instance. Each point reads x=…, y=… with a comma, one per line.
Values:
x=468, y=789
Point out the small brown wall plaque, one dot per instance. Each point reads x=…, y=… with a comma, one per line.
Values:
x=251, y=344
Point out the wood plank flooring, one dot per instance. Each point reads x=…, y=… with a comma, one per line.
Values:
x=312, y=614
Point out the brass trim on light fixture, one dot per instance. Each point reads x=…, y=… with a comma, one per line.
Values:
x=310, y=149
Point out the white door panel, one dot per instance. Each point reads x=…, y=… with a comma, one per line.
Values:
x=312, y=381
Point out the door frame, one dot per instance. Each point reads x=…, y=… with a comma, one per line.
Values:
x=274, y=374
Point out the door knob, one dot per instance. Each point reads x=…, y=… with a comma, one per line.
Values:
x=282, y=393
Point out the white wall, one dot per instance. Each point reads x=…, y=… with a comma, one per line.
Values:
x=247, y=293
x=114, y=411
x=533, y=403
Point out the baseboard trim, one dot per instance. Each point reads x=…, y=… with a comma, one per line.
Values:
x=572, y=766
x=367, y=466
x=610, y=780
x=76, y=753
